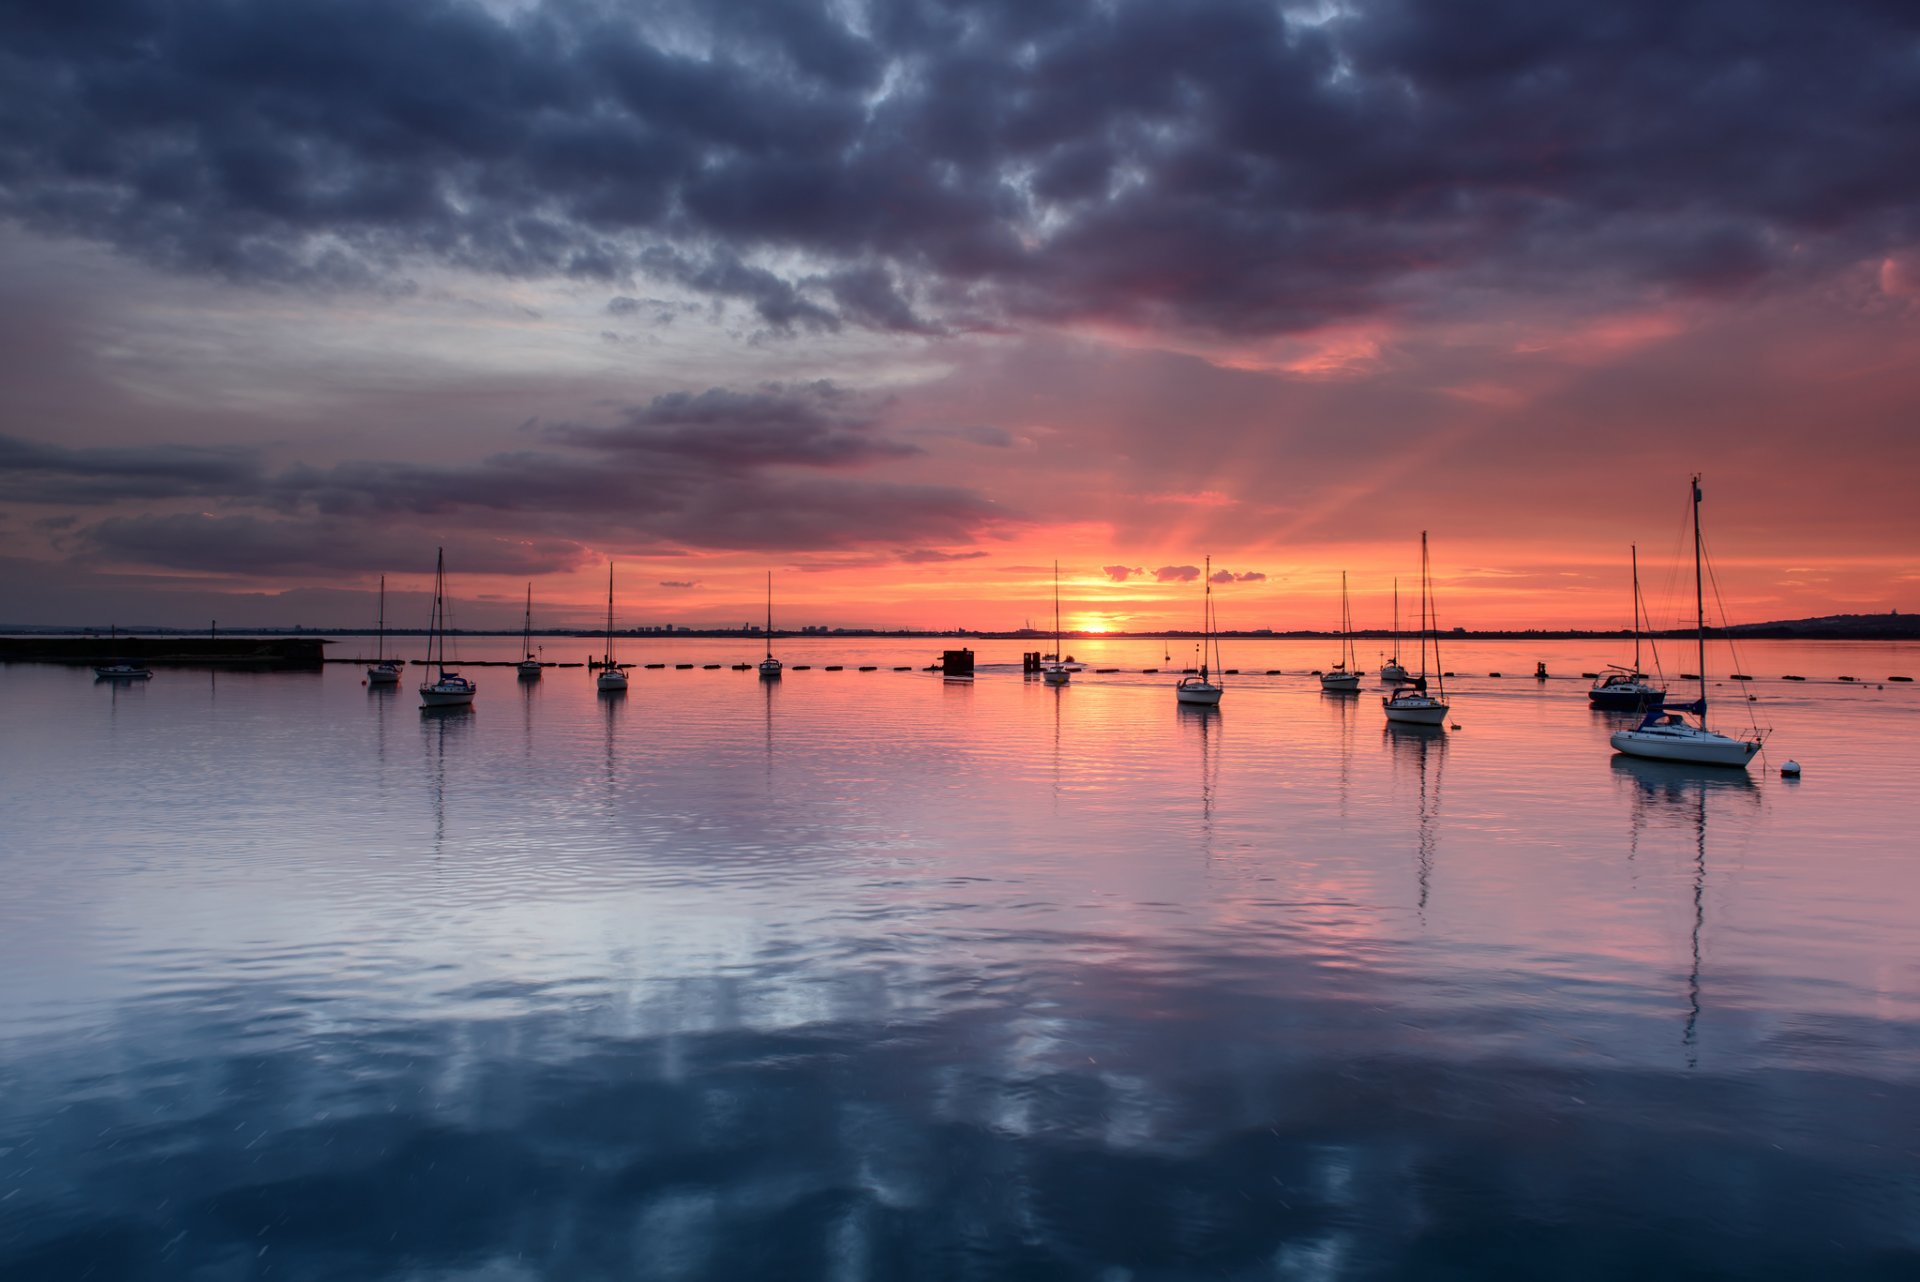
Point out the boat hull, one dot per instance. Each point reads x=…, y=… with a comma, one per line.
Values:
x=528, y=671
x=441, y=696
x=1685, y=743
x=1340, y=682
x=122, y=674
x=610, y=682
x=1393, y=674
x=1415, y=712
x=1200, y=694
x=1057, y=676
x=771, y=669
x=381, y=675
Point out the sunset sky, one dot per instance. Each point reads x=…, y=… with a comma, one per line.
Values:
x=907, y=301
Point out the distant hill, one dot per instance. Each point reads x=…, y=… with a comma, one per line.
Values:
x=1838, y=627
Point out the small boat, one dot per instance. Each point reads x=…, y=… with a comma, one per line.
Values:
x=385, y=671
x=1344, y=677
x=1411, y=705
x=770, y=667
x=529, y=666
x=1391, y=673
x=611, y=680
x=1056, y=673
x=447, y=689
x=1627, y=689
x=1199, y=690
x=1665, y=734
x=123, y=671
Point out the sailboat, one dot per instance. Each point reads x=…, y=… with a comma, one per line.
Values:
x=385, y=671
x=1345, y=677
x=1665, y=734
x=529, y=666
x=447, y=689
x=1627, y=689
x=770, y=667
x=1411, y=705
x=121, y=669
x=1056, y=673
x=1391, y=673
x=611, y=679
x=1200, y=690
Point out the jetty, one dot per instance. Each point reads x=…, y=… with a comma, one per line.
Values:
x=269, y=654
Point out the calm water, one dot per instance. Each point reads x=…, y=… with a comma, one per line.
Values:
x=867, y=975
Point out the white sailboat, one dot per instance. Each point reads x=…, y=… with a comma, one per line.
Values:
x=1201, y=690
x=529, y=665
x=385, y=671
x=611, y=679
x=1665, y=734
x=1345, y=677
x=770, y=667
x=1627, y=689
x=1056, y=673
x=1411, y=705
x=447, y=689
x=1391, y=673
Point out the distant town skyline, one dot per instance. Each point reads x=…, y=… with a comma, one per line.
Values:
x=905, y=302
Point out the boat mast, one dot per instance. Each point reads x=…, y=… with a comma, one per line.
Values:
x=1056, y=612
x=1635, y=549
x=1699, y=605
x=1206, y=617
x=526, y=627
x=606, y=660
x=380, y=646
x=769, y=614
x=1346, y=621
x=437, y=620
x=1396, y=619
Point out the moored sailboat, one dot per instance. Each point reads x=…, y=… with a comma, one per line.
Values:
x=1665, y=734
x=529, y=665
x=770, y=667
x=1344, y=677
x=1391, y=673
x=1202, y=690
x=384, y=671
x=1411, y=705
x=447, y=689
x=1056, y=673
x=1627, y=689
x=611, y=680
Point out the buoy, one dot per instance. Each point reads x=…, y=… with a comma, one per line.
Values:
x=1455, y=726
x=1791, y=770
x=1790, y=678
x=1273, y=672
x=903, y=669
x=1493, y=674
x=1899, y=678
x=870, y=668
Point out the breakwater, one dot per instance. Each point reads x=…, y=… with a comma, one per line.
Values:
x=276, y=653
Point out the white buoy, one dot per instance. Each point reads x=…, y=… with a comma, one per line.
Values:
x=1791, y=770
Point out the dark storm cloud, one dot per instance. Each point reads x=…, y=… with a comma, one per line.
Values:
x=913, y=165
x=35, y=472
x=929, y=556
x=763, y=469
x=301, y=547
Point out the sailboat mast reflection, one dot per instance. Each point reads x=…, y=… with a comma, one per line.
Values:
x=1680, y=791
x=1418, y=744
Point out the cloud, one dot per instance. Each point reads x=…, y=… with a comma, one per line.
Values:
x=678, y=583
x=1228, y=576
x=1176, y=574
x=1223, y=166
x=1121, y=573
x=927, y=556
x=301, y=547
x=36, y=472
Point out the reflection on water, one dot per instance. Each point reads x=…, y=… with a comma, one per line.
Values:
x=880, y=976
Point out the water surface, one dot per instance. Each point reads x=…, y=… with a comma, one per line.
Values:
x=871, y=975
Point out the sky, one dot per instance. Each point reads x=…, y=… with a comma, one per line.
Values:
x=906, y=302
